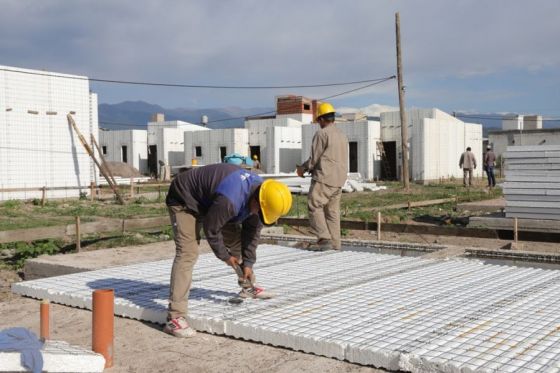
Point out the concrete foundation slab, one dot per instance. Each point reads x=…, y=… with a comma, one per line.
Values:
x=388, y=311
x=58, y=356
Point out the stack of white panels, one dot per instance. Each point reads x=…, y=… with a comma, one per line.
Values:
x=532, y=187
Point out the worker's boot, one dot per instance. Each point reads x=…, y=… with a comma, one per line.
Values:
x=255, y=292
x=179, y=327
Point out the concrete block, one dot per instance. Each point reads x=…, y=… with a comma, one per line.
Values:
x=58, y=356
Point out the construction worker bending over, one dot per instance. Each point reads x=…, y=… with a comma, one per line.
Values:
x=328, y=164
x=231, y=205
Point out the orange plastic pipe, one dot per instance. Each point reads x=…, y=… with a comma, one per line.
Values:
x=45, y=318
x=102, y=319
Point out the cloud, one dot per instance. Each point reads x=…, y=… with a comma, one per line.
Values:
x=288, y=42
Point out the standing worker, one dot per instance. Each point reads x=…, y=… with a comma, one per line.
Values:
x=231, y=205
x=328, y=165
x=489, y=164
x=256, y=163
x=468, y=164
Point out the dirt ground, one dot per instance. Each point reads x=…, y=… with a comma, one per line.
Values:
x=142, y=347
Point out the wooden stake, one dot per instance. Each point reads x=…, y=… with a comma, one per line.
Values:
x=515, y=232
x=91, y=190
x=78, y=243
x=89, y=150
x=44, y=196
x=379, y=226
x=404, y=123
x=131, y=187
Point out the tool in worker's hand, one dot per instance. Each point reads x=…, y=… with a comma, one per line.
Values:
x=245, y=283
x=249, y=290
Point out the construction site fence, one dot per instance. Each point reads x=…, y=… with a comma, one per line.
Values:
x=123, y=225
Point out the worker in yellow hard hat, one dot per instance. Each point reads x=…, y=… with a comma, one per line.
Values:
x=231, y=205
x=256, y=163
x=328, y=165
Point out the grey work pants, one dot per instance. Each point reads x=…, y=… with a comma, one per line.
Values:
x=467, y=173
x=186, y=229
x=323, y=204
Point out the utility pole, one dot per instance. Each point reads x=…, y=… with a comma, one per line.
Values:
x=404, y=123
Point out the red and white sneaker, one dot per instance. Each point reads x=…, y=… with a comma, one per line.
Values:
x=179, y=327
x=255, y=292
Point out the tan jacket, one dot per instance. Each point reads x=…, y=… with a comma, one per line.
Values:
x=328, y=162
x=467, y=161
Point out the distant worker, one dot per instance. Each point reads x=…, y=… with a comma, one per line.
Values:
x=231, y=205
x=489, y=164
x=256, y=163
x=328, y=165
x=468, y=164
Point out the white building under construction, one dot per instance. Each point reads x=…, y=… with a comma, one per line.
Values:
x=37, y=146
x=436, y=141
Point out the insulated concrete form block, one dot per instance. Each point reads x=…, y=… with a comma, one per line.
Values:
x=365, y=133
x=37, y=146
x=258, y=129
x=392, y=312
x=235, y=140
x=136, y=142
x=532, y=184
x=436, y=141
x=58, y=356
x=283, y=149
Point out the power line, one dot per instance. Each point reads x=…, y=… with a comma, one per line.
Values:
x=186, y=85
x=323, y=98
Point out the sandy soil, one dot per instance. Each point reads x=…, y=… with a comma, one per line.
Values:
x=142, y=347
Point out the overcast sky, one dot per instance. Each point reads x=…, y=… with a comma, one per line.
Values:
x=481, y=56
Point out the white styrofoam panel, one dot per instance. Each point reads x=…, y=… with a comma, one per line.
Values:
x=387, y=311
x=39, y=148
x=235, y=140
x=58, y=356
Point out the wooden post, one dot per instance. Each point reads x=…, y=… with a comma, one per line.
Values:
x=91, y=190
x=515, y=232
x=379, y=226
x=404, y=123
x=89, y=150
x=159, y=192
x=78, y=243
x=131, y=187
x=409, y=206
x=44, y=196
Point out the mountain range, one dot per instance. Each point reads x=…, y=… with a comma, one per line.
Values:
x=136, y=114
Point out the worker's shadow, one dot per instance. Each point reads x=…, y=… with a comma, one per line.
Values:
x=153, y=295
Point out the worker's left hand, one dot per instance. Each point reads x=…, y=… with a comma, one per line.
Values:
x=247, y=273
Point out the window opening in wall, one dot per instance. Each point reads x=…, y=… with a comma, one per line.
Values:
x=198, y=151
x=223, y=153
x=104, y=150
x=353, y=156
x=255, y=150
x=124, y=154
x=306, y=107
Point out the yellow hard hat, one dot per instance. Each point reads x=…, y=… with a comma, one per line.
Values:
x=275, y=199
x=325, y=108
x=255, y=157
